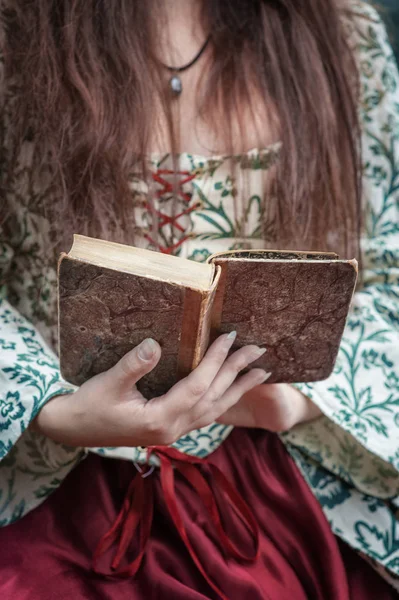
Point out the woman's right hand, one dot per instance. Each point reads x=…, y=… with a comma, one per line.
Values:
x=108, y=410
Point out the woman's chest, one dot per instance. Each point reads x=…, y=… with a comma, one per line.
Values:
x=202, y=205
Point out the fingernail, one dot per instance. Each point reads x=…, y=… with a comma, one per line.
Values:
x=232, y=335
x=264, y=377
x=147, y=349
x=260, y=351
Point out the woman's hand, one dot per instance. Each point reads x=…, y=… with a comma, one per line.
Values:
x=276, y=407
x=108, y=410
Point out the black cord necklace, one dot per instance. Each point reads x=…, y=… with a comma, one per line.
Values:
x=175, y=82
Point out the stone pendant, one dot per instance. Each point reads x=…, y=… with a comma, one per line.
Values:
x=176, y=85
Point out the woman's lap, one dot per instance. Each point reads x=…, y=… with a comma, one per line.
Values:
x=47, y=555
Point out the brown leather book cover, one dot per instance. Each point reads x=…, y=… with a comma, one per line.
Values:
x=295, y=304
x=104, y=313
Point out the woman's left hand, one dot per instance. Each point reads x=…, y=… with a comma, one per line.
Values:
x=275, y=407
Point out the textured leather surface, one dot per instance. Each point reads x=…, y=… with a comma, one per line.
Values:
x=104, y=314
x=297, y=310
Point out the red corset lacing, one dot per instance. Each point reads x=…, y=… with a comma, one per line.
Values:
x=137, y=513
x=168, y=188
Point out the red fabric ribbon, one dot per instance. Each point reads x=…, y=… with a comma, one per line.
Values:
x=138, y=506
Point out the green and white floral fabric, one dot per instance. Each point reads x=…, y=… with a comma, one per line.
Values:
x=349, y=457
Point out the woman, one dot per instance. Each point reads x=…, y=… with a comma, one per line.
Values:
x=135, y=121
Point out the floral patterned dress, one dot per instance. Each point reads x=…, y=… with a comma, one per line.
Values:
x=350, y=456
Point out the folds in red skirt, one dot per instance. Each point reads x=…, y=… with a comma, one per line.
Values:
x=48, y=554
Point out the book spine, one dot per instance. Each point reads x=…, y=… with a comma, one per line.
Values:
x=196, y=325
x=217, y=308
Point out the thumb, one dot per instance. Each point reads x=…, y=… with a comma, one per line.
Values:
x=136, y=363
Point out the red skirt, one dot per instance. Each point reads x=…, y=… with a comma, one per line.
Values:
x=47, y=555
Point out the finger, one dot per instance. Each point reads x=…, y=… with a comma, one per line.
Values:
x=213, y=359
x=231, y=368
x=229, y=405
x=191, y=389
x=136, y=363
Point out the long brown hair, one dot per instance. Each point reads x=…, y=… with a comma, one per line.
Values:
x=89, y=83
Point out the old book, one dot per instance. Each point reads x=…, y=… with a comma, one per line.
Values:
x=113, y=296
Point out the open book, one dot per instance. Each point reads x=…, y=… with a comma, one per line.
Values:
x=113, y=296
